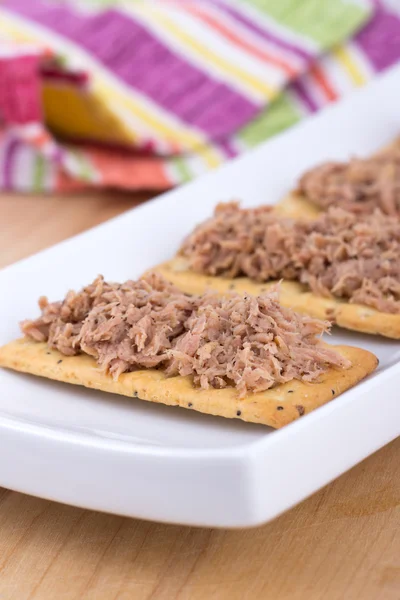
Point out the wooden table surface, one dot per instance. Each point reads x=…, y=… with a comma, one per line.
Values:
x=343, y=543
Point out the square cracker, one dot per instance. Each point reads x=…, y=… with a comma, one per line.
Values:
x=292, y=295
x=274, y=407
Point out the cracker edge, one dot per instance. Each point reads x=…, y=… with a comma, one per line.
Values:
x=356, y=317
x=296, y=397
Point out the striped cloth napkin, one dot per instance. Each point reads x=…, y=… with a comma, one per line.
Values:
x=151, y=93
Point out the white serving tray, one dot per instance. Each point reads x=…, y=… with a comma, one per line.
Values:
x=133, y=458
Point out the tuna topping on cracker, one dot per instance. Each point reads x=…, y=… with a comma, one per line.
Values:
x=360, y=185
x=339, y=254
x=251, y=343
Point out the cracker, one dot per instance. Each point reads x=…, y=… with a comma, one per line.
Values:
x=357, y=317
x=275, y=407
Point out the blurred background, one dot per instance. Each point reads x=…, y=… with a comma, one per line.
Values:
x=105, y=103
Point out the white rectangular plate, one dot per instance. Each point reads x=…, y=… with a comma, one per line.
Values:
x=133, y=458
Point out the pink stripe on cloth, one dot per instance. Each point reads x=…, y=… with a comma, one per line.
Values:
x=20, y=90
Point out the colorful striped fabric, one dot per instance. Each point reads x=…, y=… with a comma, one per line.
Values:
x=151, y=94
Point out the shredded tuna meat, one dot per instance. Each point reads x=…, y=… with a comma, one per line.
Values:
x=358, y=186
x=251, y=343
x=241, y=341
x=353, y=258
x=99, y=320
x=252, y=242
x=339, y=254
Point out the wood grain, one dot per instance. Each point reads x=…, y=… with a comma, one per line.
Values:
x=30, y=223
x=342, y=543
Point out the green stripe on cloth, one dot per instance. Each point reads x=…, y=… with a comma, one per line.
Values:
x=181, y=167
x=38, y=173
x=280, y=115
x=82, y=167
x=326, y=22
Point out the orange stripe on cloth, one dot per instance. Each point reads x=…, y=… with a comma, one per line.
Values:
x=124, y=170
x=40, y=139
x=232, y=37
x=319, y=77
x=66, y=183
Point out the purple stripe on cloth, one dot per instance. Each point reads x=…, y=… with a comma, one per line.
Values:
x=301, y=91
x=228, y=148
x=140, y=59
x=380, y=38
x=261, y=31
x=10, y=149
x=58, y=154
